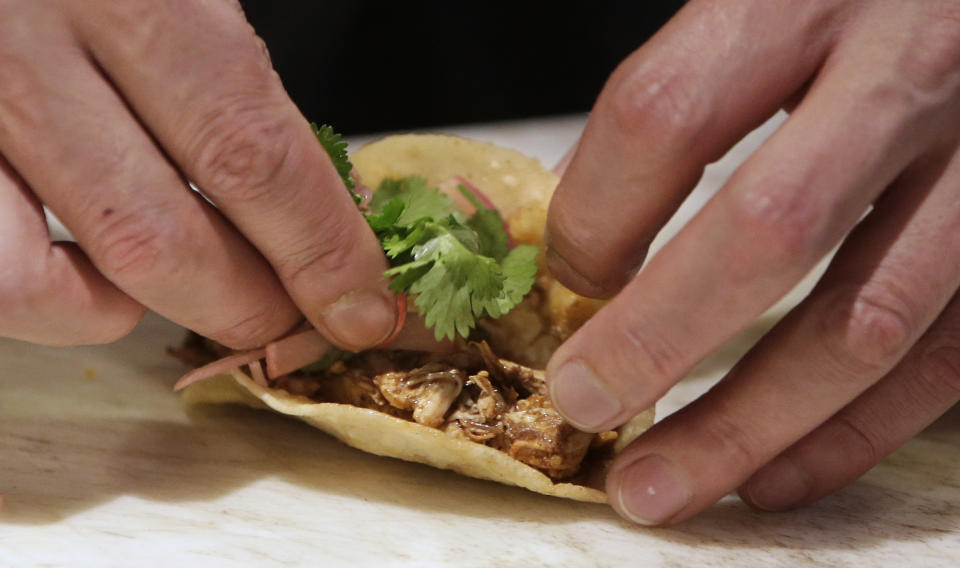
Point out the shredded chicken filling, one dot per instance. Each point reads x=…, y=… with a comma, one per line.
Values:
x=470, y=394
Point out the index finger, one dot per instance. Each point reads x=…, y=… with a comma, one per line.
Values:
x=782, y=211
x=195, y=75
x=676, y=104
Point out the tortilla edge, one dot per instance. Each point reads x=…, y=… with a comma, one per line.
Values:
x=389, y=436
x=324, y=415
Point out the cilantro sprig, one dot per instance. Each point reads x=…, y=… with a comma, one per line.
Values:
x=337, y=150
x=460, y=268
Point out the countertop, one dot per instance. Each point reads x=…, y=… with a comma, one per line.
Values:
x=102, y=465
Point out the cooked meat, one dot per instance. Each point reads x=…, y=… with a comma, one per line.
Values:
x=490, y=403
x=530, y=380
x=605, y=439
x=302, y=386
x=428, y=391
x=523, y=380
x=351, y=388
x=468, y=421
x=537, y=435
x=470, y=394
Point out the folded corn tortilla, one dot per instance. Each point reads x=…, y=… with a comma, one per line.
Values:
x=520, y=188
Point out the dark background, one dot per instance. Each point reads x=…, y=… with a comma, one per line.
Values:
x=372, y=66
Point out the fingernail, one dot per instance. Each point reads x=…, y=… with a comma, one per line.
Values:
x=652, y=491
x=582, y=397
x=777, y=486
x=360, y=319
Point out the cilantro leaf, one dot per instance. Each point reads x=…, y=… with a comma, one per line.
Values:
x=455, y=286
x=455, y=280
x=337, y=150
x=488, y=225
x=398, y=244
x=520, y=272
x=419, y=200
x=387, y=216
x=388, y=190
x=460, y=269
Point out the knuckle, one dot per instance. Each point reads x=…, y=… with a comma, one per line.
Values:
x=264, y=51
x=236, y=5
x=144, y=24
x=931, y=59
x=242, y=152
x=939, y=371
x=252, y=330
x=782, y=217
x=657, y=103
x=649, y=349
x=868, y=329
x=728, y=439
x=132, y=249
x=109, y=168
x=861, y=445
x=331, y=253
x=922, y=75
x=20, y=112
x=576, y=247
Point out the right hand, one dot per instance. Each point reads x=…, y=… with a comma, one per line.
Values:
x=106, y=109
x=870, y=357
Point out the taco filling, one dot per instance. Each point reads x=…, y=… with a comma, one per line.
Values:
x=469, y=394
x=479, y=316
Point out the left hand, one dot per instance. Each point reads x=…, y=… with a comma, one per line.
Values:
x=873, y=354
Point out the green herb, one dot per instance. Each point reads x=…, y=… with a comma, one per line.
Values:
x=489, y=226
x=461, y=269
x=337, y=150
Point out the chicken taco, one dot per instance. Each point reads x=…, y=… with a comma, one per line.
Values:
x=460, y=385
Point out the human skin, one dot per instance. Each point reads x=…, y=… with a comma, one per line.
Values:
x=106, y=109
x=872, y=356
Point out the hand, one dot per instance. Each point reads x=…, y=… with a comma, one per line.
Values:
x=106, y=108
x=873, y=354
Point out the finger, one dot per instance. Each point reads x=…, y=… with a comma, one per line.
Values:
x=50, y=293
x=225, y=119
x=883, y=290
x=768, y=225
x=144, y=229
x=711, y=75
x=922, y=388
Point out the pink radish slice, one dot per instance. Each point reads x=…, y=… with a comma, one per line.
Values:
x=459, y=180
x=219, y=366
x=307, y=346
x=295, y=351
x=256, y=373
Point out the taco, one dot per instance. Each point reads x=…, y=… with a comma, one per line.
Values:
x=458, y=394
